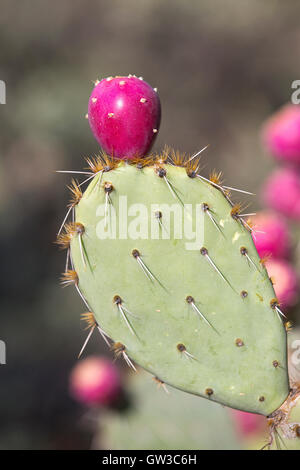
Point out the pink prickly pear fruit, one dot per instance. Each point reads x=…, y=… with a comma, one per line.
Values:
x=270, y=235
x=124, y=115
x=285, y=280
x=282, y=192
x=95, y=381
x=248, y=424
x=281, y=134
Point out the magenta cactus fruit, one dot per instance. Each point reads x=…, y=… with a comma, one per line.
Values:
x=285, y=281
x=281, y=192
x=270, y=235
x=124, y=115
x=281, y=134
x=248, y=424
x=95, y=381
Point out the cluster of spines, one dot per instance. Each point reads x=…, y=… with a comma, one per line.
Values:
x=104, y=163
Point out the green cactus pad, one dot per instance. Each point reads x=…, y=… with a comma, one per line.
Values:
x=200, y=320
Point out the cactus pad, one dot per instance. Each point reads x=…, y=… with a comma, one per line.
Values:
x=200, y=314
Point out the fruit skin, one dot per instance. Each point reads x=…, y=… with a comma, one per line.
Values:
x=281, y=134
x=95, y=381
x=285, y=280
x=248, y=424
x=124, y=115
x=281, y=192
x=270, y=235
x=239, y=374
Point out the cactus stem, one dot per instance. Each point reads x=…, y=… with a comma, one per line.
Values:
x=204, y=252
x=120, y=350
x=190, y=300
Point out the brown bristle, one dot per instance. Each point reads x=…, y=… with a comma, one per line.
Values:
x=288, y=326
x=164, y=156
x=95, y=164
x=109, y=162
x=158, y=381
x=250, y=223
x=160, y=171
x=89, y=318
x=102, y=162
x=76, y=193
x=141, y=162
x=192, y=167
x=236, y=211
x=274, y=303
x=177, y=158
x=117, y=300
x=108, y=187
x=181, y=347
x=272, y=280
x=69, y=277
x=264, y=260
x=64, y=238
x=209, y=392
x=118, y=348
x=216, y=178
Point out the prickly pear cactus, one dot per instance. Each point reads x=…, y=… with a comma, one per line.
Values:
x=170, y=273
x=166, y=266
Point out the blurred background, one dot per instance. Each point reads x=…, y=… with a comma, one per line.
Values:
x=221, y=68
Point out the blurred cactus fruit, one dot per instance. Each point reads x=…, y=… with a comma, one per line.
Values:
x=270, y=235
x=95, y=381
x=285, y=280
x=248, y=424
x=281, y=192
x=281, y=134
x=124, y=115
